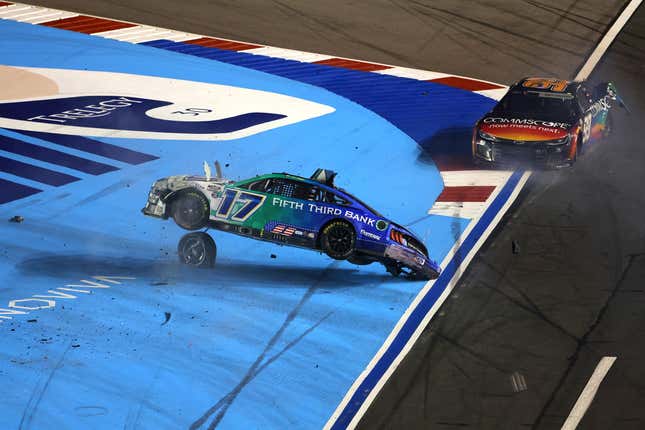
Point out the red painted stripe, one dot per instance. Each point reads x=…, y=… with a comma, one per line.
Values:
x=465, y=194
x=352, y=64
x=465, y=83
x=5, y=3
x=87, y=24
x=212, y=42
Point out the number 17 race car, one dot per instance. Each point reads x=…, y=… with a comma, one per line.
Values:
x=287, y=210
x=544, y=123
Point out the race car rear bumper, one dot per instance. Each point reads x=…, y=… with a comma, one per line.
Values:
x=155, y=206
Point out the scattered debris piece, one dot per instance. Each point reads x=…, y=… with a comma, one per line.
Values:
x=168, y=315
x=155, y=284
x=226, y=165
x=76, y=345
x=34, y=320
x=17, y=219
x=515, y=246
x=274, y=256
x=518, y=382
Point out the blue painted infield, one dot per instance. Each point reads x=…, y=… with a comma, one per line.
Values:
x=252, y=340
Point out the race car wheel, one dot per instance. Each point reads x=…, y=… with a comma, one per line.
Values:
x=337, y=240
x=197, y=250
x=190, y=210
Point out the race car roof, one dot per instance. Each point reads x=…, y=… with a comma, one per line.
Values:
x=551, y=85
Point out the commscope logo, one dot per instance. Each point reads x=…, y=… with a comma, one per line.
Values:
x=524, y=121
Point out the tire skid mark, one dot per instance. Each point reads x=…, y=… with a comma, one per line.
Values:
x=582, y=342
x=485, y=39
x=39, y=391
x=340, y=30
x=486, y=24
x=222, y=406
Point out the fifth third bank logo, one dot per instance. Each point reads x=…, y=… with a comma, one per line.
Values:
x=89, y=103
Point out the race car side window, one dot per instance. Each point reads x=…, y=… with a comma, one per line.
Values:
x=335, y=199
x=260, y=185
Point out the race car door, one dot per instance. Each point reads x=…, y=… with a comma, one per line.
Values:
x=296, y=216
x=593, y=117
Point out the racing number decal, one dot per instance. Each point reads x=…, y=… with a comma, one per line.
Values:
x=546, y=84
x=249, y=204
x=227, y=203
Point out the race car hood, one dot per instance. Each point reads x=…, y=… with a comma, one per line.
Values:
x=523, y=128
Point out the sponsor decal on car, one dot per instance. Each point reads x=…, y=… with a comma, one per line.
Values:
x=323, y=210
x=370, y=235
x=525, y=121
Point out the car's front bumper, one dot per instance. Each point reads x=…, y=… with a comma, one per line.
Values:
x=422, y=266
x=528, y=155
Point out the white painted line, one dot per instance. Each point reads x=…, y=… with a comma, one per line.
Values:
x=609, y=37
x=588, y=393
x=116, y=34
x=458, y=209
x=12, y=9
x=461, y=178
x=50, y=15
x=288, y=54
x=419, y=75
x=157, y=35
x=495, y=94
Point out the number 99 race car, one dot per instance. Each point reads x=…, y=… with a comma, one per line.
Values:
x=544, y=123
x=287, y=210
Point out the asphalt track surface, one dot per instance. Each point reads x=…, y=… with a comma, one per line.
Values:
x=540, y=318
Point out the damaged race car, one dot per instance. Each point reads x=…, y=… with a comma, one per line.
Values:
x=288, y=210
x=543, y=122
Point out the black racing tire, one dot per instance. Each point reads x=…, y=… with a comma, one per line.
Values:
x=360, y=260
x=190, y=210
x=338, y=239
x=393, y=267
x=197, y=250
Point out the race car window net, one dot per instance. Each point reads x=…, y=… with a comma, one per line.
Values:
x=289, y=188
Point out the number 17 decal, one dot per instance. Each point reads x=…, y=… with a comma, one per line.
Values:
x=249, y=203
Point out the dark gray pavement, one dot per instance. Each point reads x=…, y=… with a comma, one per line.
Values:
x=515, y=344
x=495, y=40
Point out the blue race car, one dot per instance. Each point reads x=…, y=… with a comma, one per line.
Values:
x=287, y=210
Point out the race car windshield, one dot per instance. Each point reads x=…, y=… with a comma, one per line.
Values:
x=360, y=202
x=531, y=104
